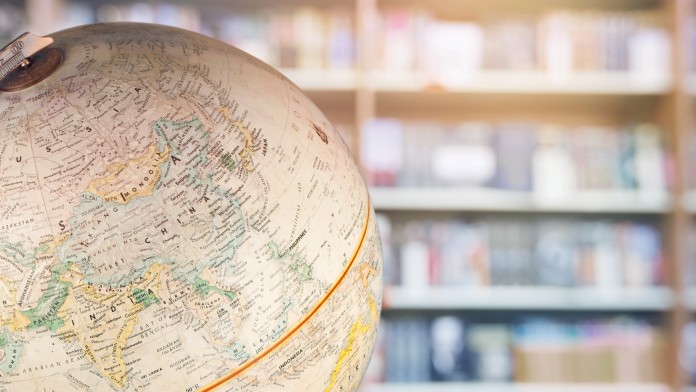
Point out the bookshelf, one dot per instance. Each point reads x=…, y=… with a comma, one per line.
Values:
x=358, y=92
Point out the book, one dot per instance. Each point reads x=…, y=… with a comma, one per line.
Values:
x=510, y=43
x=556, y=254
x=341, y=48
x=463, y=156
x=382, y=151
x=490, y=347
x=449, y=352
x=514, y=144
x=453, y=52
x=649, y=159
x=554, y=173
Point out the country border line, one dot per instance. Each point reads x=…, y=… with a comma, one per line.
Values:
x=223, y=380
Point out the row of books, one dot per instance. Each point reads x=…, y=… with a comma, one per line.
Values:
x=505, y=252
x=406, y=38
x=446, y=349
x=559, y=42
x=287, y=37
x=304, y=37
x=551, y=160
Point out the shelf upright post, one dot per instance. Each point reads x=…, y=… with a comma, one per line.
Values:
x=677, y=116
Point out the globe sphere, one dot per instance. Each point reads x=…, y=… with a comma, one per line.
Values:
x=175, y=215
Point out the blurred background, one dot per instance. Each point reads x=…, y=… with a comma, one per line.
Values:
x=532, y=164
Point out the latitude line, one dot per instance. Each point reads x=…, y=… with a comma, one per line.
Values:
x=234, y=373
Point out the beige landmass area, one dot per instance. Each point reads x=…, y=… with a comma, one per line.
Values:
x=49, y=247
x=135, y=178
x=357, y=329
x=10, y=316
x=104, y=334
x=246, y=152
x=366, y=272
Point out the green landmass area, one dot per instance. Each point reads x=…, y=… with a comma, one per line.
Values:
x=146, y=297
x=45, y=314
x=228, y=161
x=302, y=270
x=17, y=253
x=4, y=339
x=293, y=261
x=167, y=132
x=203, y=288
x=238, y=352
x=12, y=351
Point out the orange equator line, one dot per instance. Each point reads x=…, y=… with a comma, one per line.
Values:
x=287, y=335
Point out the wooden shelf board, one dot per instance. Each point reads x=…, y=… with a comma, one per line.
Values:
x=322, y=79
x=521, y=82
x=490, y=82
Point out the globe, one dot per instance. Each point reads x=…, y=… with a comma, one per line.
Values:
x=175, y=215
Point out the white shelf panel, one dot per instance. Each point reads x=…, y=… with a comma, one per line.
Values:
x=449, y=199
x=528, y=298
x=514, y=82
x=509, y=387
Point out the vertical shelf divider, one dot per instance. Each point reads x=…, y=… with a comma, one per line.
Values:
x=677, y=118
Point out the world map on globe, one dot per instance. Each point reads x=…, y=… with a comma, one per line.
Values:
x=175, y=215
